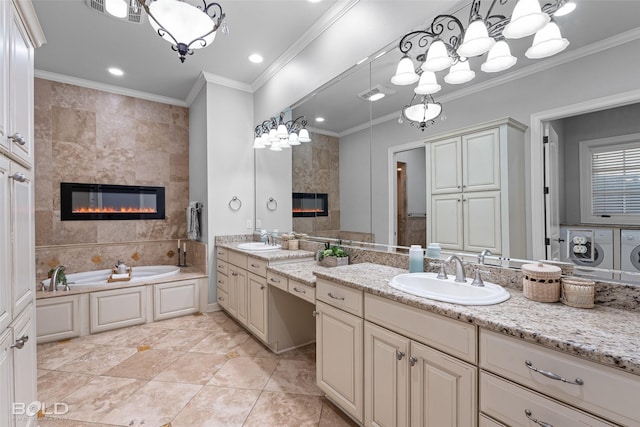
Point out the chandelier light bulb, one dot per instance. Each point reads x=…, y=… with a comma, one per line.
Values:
x=499, y=58
x=437, y=57
x=304, y=136
x=282, y=132
x=405, y=73
x=547, y=42
x=423, y=112
x=265, y=139
x=565, y=9
x=293, y=139
x=117, y=8
x=427, y=84
x=257, y=143
x=527, y=19
x=273, y=137
x=275, y=146
x=476, y=40
x=459, y=73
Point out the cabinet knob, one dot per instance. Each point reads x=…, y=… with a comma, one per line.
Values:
x=233, y=273
x=540, y=423
x=18, y=176
x=315, y=313
x=413, y=360
x=261, y=286
x=18, y=139
x=553, y=375
x=20, y=342
x=220, y=298
x=399, y=354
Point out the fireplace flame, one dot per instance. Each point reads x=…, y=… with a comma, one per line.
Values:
x=109, y=209
x=304, y=210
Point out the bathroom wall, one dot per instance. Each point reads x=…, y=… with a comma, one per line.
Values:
x=90, y=136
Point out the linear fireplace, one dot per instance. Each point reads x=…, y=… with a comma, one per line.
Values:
x=110, y=202
x=310, y=204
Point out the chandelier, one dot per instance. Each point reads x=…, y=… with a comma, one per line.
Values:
x=278, y=133
x=422, y=111
x=185, y=26
x=446, y=43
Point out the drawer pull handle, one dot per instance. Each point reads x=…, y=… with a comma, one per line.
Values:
x=221, y=298
x=255, y=265
x=335, y=297
x=18, y=139
x=274, y=280
x=413, y=360
x=302, y=291
x=220, y=282
x=540, y=423
x=553, y=375
x=399, y=354
x=20, y=342
x=233, y=273
x=261, y=286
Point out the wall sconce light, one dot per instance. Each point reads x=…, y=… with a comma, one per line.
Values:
x=278, y=133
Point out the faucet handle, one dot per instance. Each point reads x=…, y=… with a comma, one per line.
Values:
x=477, y=280
x=442, y=274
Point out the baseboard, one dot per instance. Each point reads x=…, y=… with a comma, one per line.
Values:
x=213, y=307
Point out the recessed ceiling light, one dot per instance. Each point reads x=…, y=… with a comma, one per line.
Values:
x=376, y=97
x=319, y=119
x=362, y=60
x=256, y=58
x=380, y=54
x=116, y=71
x=315, y=1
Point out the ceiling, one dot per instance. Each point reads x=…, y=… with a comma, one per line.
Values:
x=83, y=43
x=590, y=23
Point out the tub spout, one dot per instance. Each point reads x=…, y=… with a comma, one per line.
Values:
x=53, y=285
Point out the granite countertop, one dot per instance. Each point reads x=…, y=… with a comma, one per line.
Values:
x=186, y=273
x=602, y=334
x=273, y=255
x=300, y=271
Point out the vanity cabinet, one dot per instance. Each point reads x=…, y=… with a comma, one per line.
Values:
x=176, y=299
x=58, y=318
x=257, y=301
x=475, y=196
x=237, y=284
x=515, y=386
x=117, y=308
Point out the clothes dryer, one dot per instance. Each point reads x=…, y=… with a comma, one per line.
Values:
x=588, y=247
x=630, y=255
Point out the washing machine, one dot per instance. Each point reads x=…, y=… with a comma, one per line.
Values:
x=588, y=247
x=630, y=255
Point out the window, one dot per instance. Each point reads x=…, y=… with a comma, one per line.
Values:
x=610, y=180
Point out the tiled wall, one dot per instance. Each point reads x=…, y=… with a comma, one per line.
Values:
x=316, y=170
x=89, y=136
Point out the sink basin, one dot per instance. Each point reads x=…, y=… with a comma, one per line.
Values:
x=258, y=246
x=429, y=286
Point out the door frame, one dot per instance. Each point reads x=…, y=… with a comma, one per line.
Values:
x=536, y=151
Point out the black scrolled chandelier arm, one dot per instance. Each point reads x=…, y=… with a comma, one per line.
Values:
x=294, y=126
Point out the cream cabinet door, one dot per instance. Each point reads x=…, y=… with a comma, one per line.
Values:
x=24, y=364
x=446, y=221
x=482, y=222
x=386, y=377
x=58, y=318
x=6, y=378
x=339, y=361
x=241, y=291
x=481, y=161
x=443, y=389
x=5, y=244
x=117, y=308
x=446, y=166
x=257, y=306
x=22, y=248
x=4, y=65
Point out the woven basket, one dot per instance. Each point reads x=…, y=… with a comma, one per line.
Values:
x=578, y=292
x=541, y=282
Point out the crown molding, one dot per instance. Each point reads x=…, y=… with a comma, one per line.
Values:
x=555, y=61
x=320, y=26
x=61, y=78
x=206, y=77
x=31, y=23
x=322, y=132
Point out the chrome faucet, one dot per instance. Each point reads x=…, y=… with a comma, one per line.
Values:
x=459, y=268
x=483, y=254
x=53, y=285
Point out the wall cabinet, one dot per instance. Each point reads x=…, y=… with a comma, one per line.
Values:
x=475, y=197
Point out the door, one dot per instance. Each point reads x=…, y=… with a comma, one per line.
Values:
x=386, y=380
x=241, y=289
x=5, y=244
x=4, y=66
x=22, y=248
x=446, y=221
x=443, y=389
x=24, y=364
x=552, y=196
x=446, y=168
x=339, y=360
x=482, y=222
x=257, y=300
x=6, y=377
x=481, y=161
x=401, y=204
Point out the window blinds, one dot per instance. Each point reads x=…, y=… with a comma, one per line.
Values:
x=615, y=181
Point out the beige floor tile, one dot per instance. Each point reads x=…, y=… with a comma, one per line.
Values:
x=144, y=364
x=294, y=376
x=254, y=348
x=245, y=372
x=217, y=406
x=154, y=404
x=331, y=416
x=180, y=340
x=54, y=386
x=99, y=360
x=54, y=355
x=42, y=372
x=193, y=368
x=98, y=397
x=175, y=323
x=308, y=352
x=221, y=342
x=53, y=422
x=101, y=337
x=284, y=409
x=139, y=336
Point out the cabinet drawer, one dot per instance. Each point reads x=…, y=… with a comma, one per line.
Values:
x=450, y=336
x=223, y=298
x=222, y=267
x=517, y=406
x=223, y=282
x=238, y=259
x=605, y=391
x=277, y=280
x=257, y=266
x=488, y=422
x=347, y=299
x=302, y=291
x=222, y=253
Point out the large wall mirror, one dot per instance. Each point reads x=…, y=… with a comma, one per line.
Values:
x=361, y=154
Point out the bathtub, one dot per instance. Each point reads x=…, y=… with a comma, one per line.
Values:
x=99, y=277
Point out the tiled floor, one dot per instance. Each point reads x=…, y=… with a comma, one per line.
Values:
x=201, y=370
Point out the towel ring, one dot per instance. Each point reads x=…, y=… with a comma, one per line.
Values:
x=272, y=204
x=235, y=204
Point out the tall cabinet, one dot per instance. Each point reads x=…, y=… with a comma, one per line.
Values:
x=475, y=190
x=20, y=33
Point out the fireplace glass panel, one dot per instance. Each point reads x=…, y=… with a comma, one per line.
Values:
x=310, y=204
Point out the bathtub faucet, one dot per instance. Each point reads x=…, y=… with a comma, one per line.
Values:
x=53, y=285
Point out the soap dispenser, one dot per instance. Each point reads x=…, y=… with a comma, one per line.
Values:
x=416, y=259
